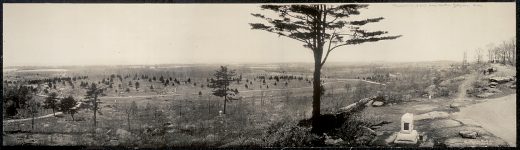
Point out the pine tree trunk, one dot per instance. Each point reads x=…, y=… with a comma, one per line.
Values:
x=128, y=120
x=318, y=53
x=95, y=110
x=262, y=98
x=225, y=100
x=316, y=96
x=32, y=121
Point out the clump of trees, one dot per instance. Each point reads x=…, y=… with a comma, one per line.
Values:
x=67, y=106
x=15, y=97
x=51, y=102
x=504, y=53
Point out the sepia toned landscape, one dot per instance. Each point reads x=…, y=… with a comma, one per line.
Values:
x=250, y=75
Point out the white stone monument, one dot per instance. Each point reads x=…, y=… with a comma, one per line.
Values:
x=407, y=135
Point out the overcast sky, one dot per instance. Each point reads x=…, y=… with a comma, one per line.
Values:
x=113, y=34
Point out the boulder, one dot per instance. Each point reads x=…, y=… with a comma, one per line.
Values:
x=444, y=123
x=491, y=70
x=493, y=90
x=368, y=131
x=377, y=104
x=123, y=134
x=480, y=142
x=113, y=142
x=369, y=103
x=468, y=134
x=59, y=115
x=391, y=138
x=469, y=122
x=427, y=143
x=500, y=80
x=485, y=95
x=431, y=115
x=513, y=86
x=211, y=137
x=98, y=130
x=455, y=105
x=330, y=141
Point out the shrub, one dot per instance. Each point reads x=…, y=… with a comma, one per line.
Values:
x=290, y=135
x=355, y=131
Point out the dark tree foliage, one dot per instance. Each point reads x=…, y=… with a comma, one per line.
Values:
x=15, y=97
x=67, y=106
x=220, y=85
x=322, y=29
x=51, y=102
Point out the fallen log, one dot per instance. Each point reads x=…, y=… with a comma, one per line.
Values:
x=360, y=103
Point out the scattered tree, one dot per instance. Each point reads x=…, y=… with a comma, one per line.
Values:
x=220, y=85
x=131, y=111
x=32, y=109
x=51, y=102
x=67, y=106
x=92, y=96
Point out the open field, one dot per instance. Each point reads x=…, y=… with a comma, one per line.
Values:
x=185, y=113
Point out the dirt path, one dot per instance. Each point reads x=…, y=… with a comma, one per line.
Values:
x=40, y=117
x=466, y=84
x=26, y=119
x=498, y=116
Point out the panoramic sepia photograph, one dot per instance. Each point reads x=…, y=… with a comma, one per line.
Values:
x=259, y=75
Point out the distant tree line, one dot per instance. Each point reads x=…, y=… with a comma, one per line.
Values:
x=504, y=53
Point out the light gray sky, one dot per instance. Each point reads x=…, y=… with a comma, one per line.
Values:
x=113, y=34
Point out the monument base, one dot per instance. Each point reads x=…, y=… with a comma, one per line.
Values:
x=407, y=138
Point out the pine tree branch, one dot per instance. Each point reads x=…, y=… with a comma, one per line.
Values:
x=328, y=49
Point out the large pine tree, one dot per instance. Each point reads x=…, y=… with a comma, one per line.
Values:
x=322, y=29
x=220, y=85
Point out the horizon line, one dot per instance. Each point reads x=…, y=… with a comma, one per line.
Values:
x=229, y=63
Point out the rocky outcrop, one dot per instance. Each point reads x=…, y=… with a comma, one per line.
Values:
x=358, y=104
x=455, y=105
x=123, y=134
x=485, y=95
x=377, y=104
x=500, y=80
x=486, y=141
x=445, y=123
x=468, y=134
x=431, y=115
x=330, y=141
